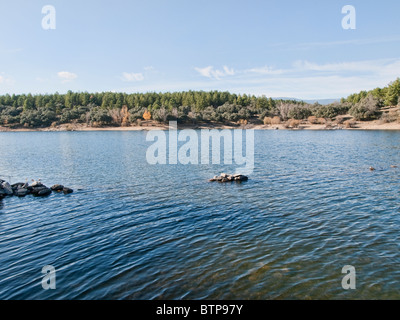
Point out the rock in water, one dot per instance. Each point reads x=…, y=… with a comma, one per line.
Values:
x=38, y=189
x=37, y=183
x=21, y=192
x=229, y=177
x=17, y=185
x=57, y=187
x=67, y=190
x=44, y=192
x=241, y=178
x=7, y=189
x=35, y=190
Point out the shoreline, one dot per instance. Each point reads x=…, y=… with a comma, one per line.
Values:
x=361, y=125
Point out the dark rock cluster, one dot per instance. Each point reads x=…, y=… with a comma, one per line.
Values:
x=223, y=177
x=36, y=188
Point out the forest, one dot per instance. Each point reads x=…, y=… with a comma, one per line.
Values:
x=122, y=109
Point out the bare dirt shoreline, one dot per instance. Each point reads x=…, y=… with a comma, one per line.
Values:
x=360, y=125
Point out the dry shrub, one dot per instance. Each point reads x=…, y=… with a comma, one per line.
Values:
x=349, y=124
x=267, y=120
x=312, y=120
x=340, y=119
x=125, y=116
x=115, y=115
x=294, y=123
x=276, y=120
x=286, y=124
x=120, y=116
x=391, y=116
x=242, y=121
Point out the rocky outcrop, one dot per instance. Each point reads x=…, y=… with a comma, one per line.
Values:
x=37, y=189
x=6, y=188
x=223, y=177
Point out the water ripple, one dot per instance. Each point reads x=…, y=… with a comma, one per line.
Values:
x=136, y=231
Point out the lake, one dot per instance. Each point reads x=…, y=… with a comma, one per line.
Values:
x=132, y=230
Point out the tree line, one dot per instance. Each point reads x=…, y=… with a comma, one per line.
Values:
x=121, y=109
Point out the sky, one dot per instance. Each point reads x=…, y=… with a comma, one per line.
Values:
x=285, y=48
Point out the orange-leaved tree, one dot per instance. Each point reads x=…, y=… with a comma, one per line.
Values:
x=146, y=115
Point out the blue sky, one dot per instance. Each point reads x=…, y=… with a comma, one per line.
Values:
x=283, y=48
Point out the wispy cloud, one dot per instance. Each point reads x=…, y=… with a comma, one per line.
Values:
x=301, y=79
x=305, y=79
x=380, y=67
x=324, y=44
x=265, y=70
x=66, y=76
x=5, y=80
x=131, y=77
x=212, y=73
x=41, y=80
x=10, y=51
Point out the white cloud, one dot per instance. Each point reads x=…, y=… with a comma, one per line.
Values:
x=130, y=77
x=66, y=76
x=210, y=72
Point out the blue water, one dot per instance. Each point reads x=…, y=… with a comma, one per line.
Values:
x=137, y=231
